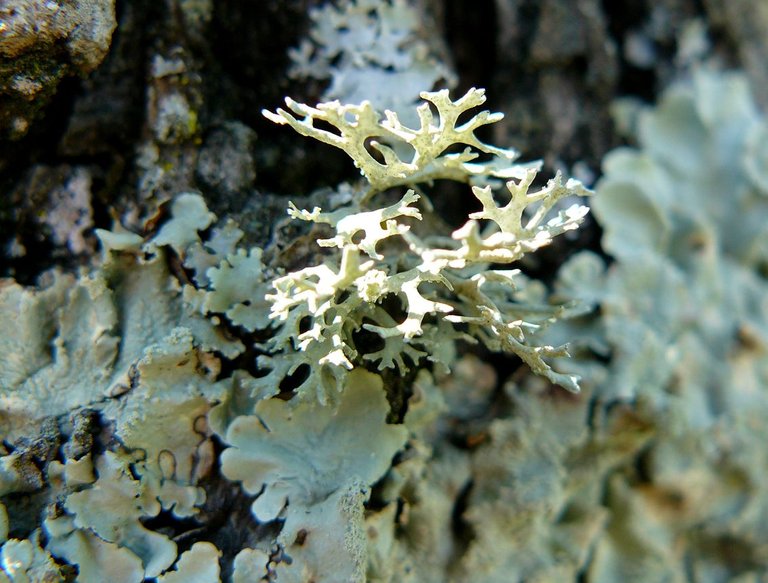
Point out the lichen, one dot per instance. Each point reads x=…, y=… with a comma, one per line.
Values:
x=684, y=323
x=448, y=284
x=118, y=347
x=270, y=451
x=200, y=564
x=370, y=50
x=116, y=380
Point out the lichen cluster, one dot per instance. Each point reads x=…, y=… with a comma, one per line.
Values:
x=358, y=405
x=371, y=51
x=433, y=287
x=155, y=343
x=684, y=323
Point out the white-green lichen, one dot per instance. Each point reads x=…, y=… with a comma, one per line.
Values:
x=141, y=344
x=271, y=450
x=371, y=50
x=121, y=341
x=684, y=321
x=448, y=281
x=686, y=218
x=390, y=153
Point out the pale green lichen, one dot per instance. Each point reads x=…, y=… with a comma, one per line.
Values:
x=25, y=561
x=450, y=284
x=250, y=565
x=370, y=50
x=312, y=466
x=107, y=515
x=62, y=353
x=272, y=449
x=684, y=320
x=389, y=153
x=200, y=564
x=125, y=344
x=688, y=225
x=142, y=340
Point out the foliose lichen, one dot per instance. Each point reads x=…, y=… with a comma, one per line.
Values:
x=683, y=326
x=371, y=50
x=158, y=320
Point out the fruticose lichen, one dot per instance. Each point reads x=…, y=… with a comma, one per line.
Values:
x=410, y=297
x=130, y=368
x=434, y=286
x=193, y=408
